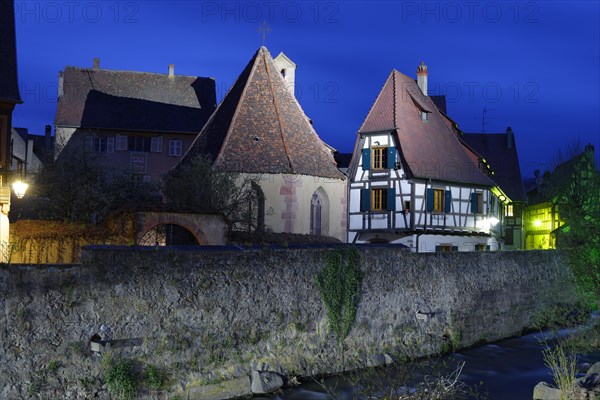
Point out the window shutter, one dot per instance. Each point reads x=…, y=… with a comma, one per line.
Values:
x=110, y=145
x=366, y=159
x=391, y=199
x=474, y=202
x=429, y=199
x=391, y=158
x=448, y=202
x=487, y=247
x=365, y=199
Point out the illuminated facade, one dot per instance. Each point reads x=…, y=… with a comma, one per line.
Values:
x=569, y=179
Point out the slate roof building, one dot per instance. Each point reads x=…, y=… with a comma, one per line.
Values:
x=134, y=122
x=499, y=150
x=260, y=130
x=413, y=182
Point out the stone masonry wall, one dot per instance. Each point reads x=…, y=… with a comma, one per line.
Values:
x=213, y=315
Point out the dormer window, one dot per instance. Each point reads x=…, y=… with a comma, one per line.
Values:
x=424, y=116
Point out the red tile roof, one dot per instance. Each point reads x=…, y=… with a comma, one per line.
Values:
x=428, y=149
x=259, y=127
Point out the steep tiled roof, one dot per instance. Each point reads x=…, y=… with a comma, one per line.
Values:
x=259, y=127
x=100, y=98
x=503, y=160
x=429, y=149
x=9, y=85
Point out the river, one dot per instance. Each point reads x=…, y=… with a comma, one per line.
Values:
x=505, y=370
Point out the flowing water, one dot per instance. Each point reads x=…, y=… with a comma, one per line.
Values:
x=505, y=370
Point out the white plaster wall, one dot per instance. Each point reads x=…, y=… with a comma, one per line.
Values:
x=287, y=202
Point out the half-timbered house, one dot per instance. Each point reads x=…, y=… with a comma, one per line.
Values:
x=413, y=182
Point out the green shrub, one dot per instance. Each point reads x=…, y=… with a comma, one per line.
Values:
x=155, y=378
x=562, y=362
x=120, y=379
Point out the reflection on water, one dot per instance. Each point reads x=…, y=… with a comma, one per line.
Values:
x=505, y=370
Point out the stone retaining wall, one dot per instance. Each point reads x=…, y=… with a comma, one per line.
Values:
x=211, y=316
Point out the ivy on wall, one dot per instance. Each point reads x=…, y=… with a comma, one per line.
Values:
x=339, y=283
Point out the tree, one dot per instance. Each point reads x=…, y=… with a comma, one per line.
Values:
x=574, y=187
x=80, y=189
x=198, y=187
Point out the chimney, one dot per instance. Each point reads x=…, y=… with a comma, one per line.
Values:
x=422, y=77
x=96, y=63
x=171, y=70
x=510, y=138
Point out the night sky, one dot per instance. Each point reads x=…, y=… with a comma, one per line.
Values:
x=534, y=65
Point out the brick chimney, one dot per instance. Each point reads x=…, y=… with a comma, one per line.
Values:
x=96, y=63
x=422, y=77
x=171, y=70
x=510, y=138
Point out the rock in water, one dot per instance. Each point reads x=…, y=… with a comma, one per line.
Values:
x=265, y=382
x=543, y=391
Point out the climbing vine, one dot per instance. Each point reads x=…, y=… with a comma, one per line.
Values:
x=339, y=284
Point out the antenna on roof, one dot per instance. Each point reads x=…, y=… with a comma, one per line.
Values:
x=264, y=29
x=484, y=118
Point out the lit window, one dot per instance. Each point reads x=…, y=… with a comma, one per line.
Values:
x=380, y=157
x=438, y=200
x=508, y=211
x=378, y=199
x=445, y=248
x=175, y=148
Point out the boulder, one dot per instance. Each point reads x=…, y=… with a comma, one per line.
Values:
x=543, y=391
x=265, y=382
x=376, y=360
x=594, y=369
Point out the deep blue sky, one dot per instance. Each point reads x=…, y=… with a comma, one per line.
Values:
x=535, y=64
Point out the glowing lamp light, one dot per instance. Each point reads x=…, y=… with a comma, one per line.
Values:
x=494, y=221
x=537, y=223
x=20, y=188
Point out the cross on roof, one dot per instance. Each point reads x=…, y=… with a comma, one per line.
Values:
x=264, y=29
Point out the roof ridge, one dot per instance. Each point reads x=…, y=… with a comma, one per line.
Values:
x=134, y=72
x=272, y=90
x=394, y=100
x=237, y=106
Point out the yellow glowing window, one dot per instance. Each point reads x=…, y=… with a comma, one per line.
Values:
x=508, y=211
x=378, y=199
x=380, y=157
x=438, y=200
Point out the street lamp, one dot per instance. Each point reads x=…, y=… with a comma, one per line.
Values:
x=20, y=188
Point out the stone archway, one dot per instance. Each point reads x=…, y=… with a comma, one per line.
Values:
x=168, y=235
x=204, y=228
